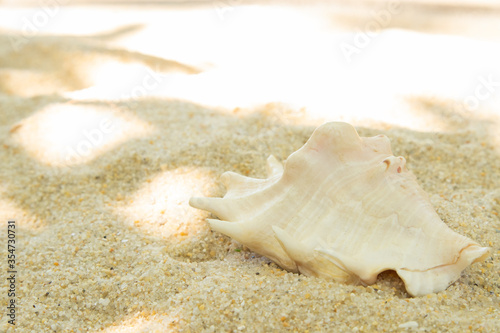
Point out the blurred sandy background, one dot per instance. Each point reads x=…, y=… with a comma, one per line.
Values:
x=113, y=114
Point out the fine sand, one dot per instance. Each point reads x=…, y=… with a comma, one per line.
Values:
x=111, y=118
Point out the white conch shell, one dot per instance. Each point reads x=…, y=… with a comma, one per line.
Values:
x=344, y=208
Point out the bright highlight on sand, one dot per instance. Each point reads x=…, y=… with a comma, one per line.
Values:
x=68, y=134
x=160, y=207
x=144, y=322
x=293, y=57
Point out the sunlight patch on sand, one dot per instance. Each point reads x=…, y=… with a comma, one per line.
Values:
x=161, y=206
x=294, y=57
x=66, y=134
x=113, y=80
x=145, y=322
x=252, y=55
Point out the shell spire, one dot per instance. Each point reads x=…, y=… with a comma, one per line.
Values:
x=344, y=208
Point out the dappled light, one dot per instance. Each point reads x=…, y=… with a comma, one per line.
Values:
x=307, y=62
x=112, y=116
x=68, y=134
x=108, y=83
x=144, y=322
x=161, y=206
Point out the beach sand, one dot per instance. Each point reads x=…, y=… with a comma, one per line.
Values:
x=111, y=118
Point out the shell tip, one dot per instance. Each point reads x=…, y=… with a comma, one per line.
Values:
x=231, y=229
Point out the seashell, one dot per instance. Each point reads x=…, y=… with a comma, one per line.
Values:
x=343, y=208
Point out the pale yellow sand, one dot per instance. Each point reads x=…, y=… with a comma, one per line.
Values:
x=112, y=118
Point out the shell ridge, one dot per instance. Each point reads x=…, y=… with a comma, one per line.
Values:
x=240, y=186
x=307, y=261
x=438, y=278
x=481, y=251
x=350, y=266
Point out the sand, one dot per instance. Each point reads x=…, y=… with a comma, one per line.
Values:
x=107, y=129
